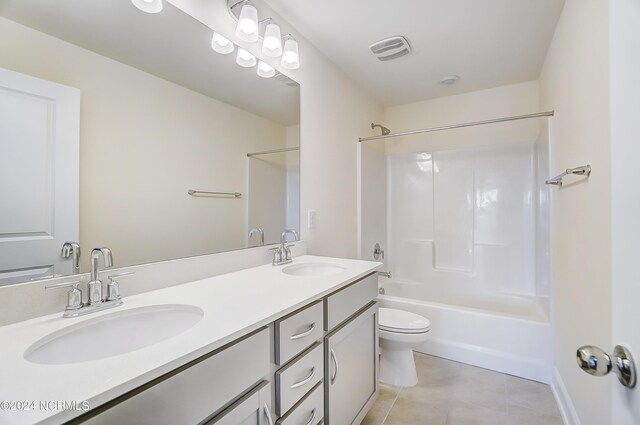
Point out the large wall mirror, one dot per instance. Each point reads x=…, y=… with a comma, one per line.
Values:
x=109, y=116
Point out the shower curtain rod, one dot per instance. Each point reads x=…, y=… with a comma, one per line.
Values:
x=466, y=124
x=297, y=148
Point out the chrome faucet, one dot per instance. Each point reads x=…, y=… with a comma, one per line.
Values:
x=95, y=285
x=257, y=230
x=282, y=254
x=72, y=249
x=95, y=300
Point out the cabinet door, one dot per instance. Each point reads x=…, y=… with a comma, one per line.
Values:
x=252, y=409
x=351, y=378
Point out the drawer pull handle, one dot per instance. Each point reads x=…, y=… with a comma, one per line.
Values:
x=267, y=413
x=305, y=333
x=305, y=380
x=313, y=416
x=335, y=363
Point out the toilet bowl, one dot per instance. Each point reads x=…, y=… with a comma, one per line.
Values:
x=400, y=332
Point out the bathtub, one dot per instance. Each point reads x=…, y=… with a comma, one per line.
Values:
x=502, y=332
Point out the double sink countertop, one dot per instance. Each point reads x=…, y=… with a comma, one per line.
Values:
x=234, y=304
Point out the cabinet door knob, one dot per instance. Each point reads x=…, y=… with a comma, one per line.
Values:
x=267, y=413
x=313, y=416
x=303, y=334
x=305, y=380
x=335, y=364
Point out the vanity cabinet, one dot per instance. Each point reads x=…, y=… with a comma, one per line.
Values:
x=252, y=409
x=351, y=381
x=315, y=365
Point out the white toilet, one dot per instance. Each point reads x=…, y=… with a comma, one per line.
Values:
x=400, y=332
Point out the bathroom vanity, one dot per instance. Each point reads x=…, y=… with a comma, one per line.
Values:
x=292, y=345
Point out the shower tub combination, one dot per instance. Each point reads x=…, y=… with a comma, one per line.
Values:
x=506, y=333
x=465, y=232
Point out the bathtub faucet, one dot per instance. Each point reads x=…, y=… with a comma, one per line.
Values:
x=385, y=274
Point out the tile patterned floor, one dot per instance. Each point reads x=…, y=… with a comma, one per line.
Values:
x=451, y=393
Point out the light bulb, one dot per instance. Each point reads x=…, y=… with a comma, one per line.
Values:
x=221, y=44
x=290, y=57
x=247, y=29
x=245, y=59
x=265, y=70
x=149, y=6
x=272, y=45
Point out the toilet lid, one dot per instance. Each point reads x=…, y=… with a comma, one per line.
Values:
x=394, y=320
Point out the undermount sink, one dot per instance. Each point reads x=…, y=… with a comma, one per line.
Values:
x=314, y=269
x=112, y=334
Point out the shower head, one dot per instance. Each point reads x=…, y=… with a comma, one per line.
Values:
x=384, y=129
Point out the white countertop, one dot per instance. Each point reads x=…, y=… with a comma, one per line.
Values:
x=234, y=304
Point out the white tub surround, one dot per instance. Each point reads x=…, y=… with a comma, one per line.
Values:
x=234, y=305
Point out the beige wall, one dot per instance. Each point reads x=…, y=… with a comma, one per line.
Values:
x=574, y=82
x=504, y=101
x=144, y=142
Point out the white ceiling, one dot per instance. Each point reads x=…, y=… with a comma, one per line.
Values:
x=171, y=45
x=488, y=43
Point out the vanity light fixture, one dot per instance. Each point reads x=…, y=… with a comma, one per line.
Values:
x=221, y=44
x=265, y=70
x=250, y=28
x=245, y=59
x=290, y=56
x=247, y=28
x=149, y=6
x=272, y=44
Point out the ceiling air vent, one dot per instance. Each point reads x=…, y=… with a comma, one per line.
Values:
x=390, y=48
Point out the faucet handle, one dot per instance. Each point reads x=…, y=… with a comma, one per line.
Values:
x=277, y=255
x=288, y=251
x=74, y=296
x=113, y=287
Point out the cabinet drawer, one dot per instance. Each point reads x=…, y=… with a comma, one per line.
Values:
x=297, y=378
x=309, y=411
x=195, y=393
x=298, y=331
x=344, y=303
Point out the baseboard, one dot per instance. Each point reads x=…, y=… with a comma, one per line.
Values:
x=528, y=368
x=567, y=410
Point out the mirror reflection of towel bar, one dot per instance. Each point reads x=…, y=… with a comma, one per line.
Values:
x=202, y=192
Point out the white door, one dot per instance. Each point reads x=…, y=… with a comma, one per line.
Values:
x=625, y=196
x=39, y=175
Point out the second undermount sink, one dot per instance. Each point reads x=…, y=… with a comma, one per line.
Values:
x=112, y=334
x=313, y=269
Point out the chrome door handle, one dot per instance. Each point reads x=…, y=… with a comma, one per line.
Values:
x=335, y=363
x=305, y=380
x=595, y=361
x=313, y=416
x=267, y=413
x=303, y=334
